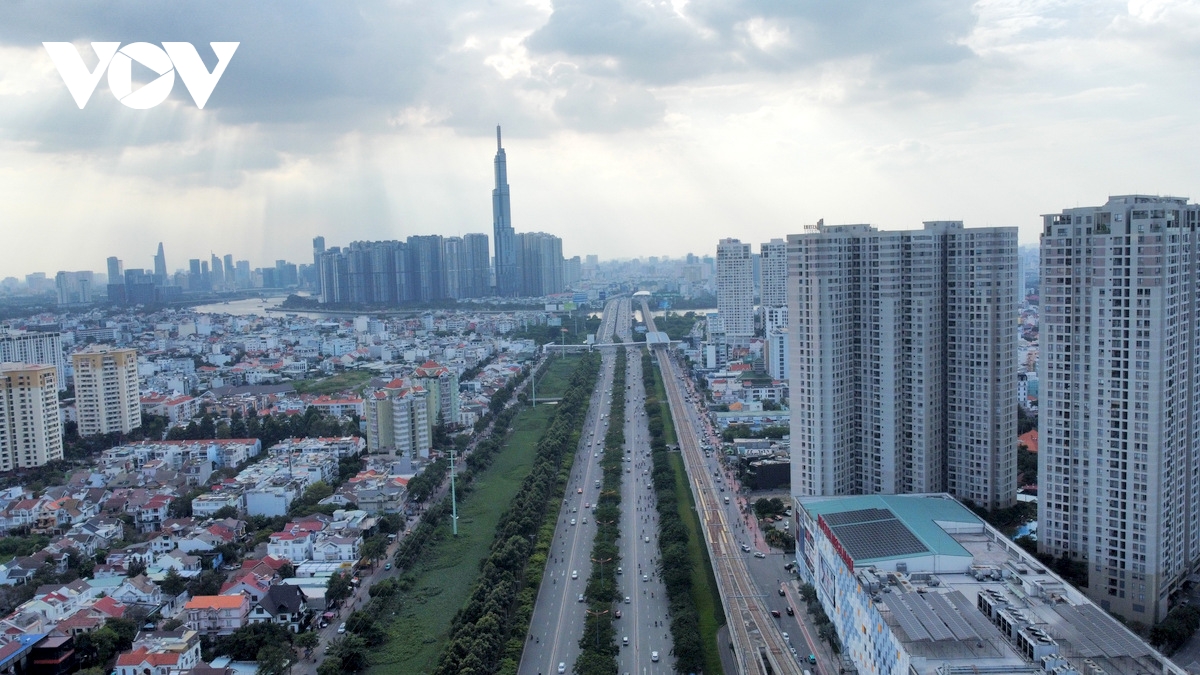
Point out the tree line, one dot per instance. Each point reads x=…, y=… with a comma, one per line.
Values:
x=598, y=644
x=674, y=563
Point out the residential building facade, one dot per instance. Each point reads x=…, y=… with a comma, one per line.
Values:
x=30, y=432
x=902, y=361
x=1119, y=398
x=106, y=390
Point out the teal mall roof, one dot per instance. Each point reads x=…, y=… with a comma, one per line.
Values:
x=883, y=527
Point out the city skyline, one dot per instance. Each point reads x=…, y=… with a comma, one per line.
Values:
x=948, y=111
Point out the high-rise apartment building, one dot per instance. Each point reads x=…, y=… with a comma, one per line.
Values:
x=476, y=267
x=902, y=361
x=735, y=288
x=30, y=430
x=1119, y=398
x=106, y=390
x=398, y=420
x=74, y=288
x=773, y=273
x=35, y=347
x=540, y=261
x=508, y=278
x=318, y=244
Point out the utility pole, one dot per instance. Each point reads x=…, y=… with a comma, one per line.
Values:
x=453, y=495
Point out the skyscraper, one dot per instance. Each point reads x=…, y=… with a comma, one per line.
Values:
x=539, y=259
x=735, y=288
x=476, y=266
x=106, y=390
x=160, y=266
x=902, y=361
x=508, y=279
x=73, y=288
x=773, y=273
x=218, y=273
x=230, y=271
x=1119, y=398
x=318, y=249
x=30, y=431
x=116, y=285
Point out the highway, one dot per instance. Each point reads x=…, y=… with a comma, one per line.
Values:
x=558, y=615
x=644, y=620
x=758, y=641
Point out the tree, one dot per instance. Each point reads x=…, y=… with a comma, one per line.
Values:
x=173, y=584
x=275, y=658
x=351, y=650
x=136, y=568
x=339, y=588
x=375, y=548
x=208, y=582
x=225, y=512
x=307, y=641
x=245, y=643
x=286, y=571
x=332, y=665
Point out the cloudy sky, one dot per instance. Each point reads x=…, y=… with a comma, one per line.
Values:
x=632, y=127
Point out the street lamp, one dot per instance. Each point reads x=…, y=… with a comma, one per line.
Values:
x=602, y=560
x=595, y=629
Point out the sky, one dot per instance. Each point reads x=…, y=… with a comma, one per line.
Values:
x=632, y=128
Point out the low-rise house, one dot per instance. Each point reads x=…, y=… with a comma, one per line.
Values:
x=283, y=605
x=139, y=590
x=249, y=585
x=217, y=614
x=161, y=653
x=337, y=549
x=150, y=515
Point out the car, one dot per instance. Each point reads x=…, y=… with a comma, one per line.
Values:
x=342, y=628
x=581, y=597
x=745, y=548
x=625, y=641
x=781, y=592
x=587, y=505
x=647, y=539
x=574, y=574
x=760, y=554
x=812, y=658
x=620, y=571
x=645, y=577
x=775, y=613
x=562, y=667
x=654, y=656
x=574, y=509
x=790, y=611
x=585, y=520
x=572, y=521
x=387, y=566
x=627, y=599
x=578, y=491
x=786, y=637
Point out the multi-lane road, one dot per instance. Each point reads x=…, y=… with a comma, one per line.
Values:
x=643, y=628
x=559, y=613
x=758, y=640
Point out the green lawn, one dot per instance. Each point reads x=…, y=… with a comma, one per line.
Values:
x=350, y=379
x=704, y=582
x=449, y=568
x=553, y=384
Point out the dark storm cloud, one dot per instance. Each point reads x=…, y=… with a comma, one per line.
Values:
x=652, y=43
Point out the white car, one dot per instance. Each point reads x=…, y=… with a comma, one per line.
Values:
x=562, y=667
x=572, y=521
x=645, y=577
x=574, y=574
x=654, y=656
